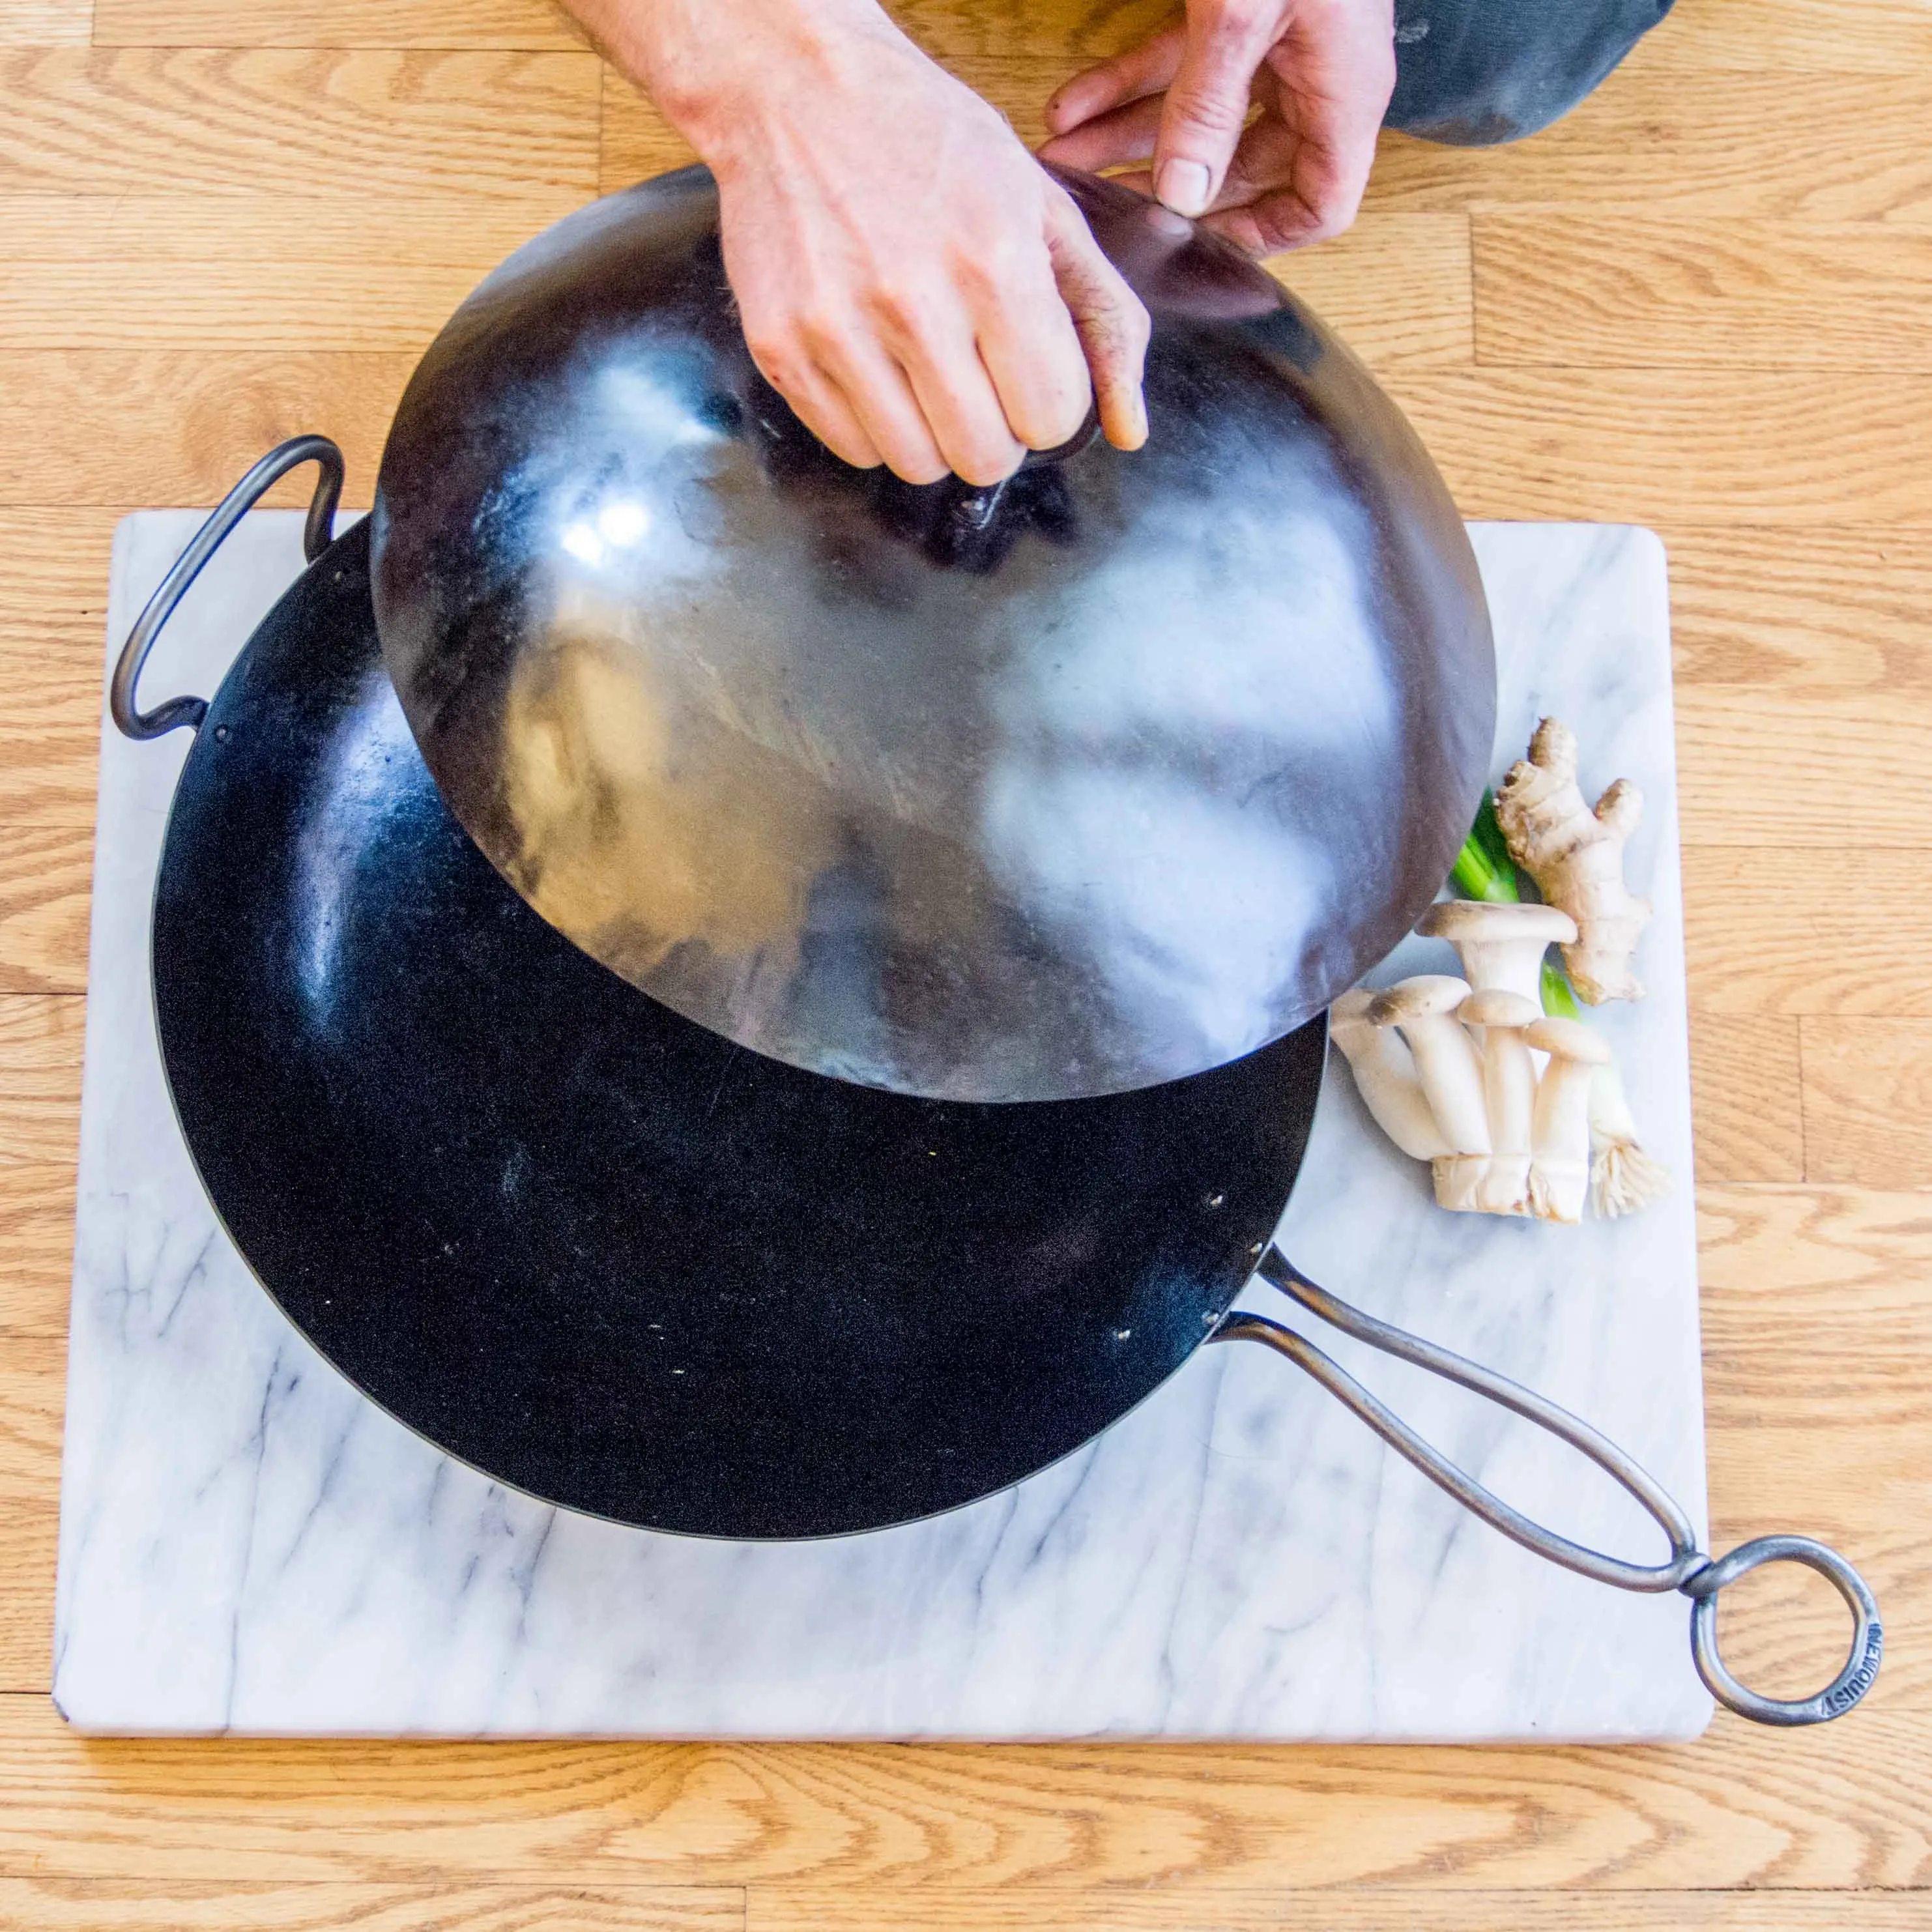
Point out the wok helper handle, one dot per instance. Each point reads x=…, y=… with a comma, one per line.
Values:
x=233, y=507
x=1689, y=1569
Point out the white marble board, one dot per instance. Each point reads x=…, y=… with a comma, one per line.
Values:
x=249, y=1546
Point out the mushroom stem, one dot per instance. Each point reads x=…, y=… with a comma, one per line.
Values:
x=1559, y=1174
x=1509, y=1096
x=1424, y=1008
x=1385, y=1077
x=1450, y=1072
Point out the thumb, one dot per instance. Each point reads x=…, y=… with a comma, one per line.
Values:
x=1206, y=103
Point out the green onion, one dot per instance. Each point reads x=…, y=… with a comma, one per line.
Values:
x=1484, y=869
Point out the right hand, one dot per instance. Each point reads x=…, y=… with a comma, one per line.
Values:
x=911, y=280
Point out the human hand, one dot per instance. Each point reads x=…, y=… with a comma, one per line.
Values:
x=1321, y=72
x=910, y=280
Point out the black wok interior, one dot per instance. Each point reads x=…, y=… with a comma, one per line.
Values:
x=598, y=1251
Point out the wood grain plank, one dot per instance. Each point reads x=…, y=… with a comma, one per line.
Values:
x=1649, y=144
x=39, y=1077
x=531, y=24
x=29, y=1539
x=297, y=121
x=159, y=427
x=1032, y=1909
x=46, y=873
x=1067, y=34
x=33, y=1381
x=1867, y=1085
x=1843, y=609
x=381, y=304
x=1584, y=291
x=1772, y=930
x=1815, y=769
x=67, y=1905
x=1744, y=1099
x=36, y=1247
x=1712, y=447
x=1846, y=1806
x=52, y=599
x=1396, y=287
x=53, y=579
x=1878, y=37
x=45, y=23
x=327, y=233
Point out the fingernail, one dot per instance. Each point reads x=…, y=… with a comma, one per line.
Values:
x=1182, y=186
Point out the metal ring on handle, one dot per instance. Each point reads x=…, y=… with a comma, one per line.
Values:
x=1861, y=1662
x=1689, y=1569
x=316, y=535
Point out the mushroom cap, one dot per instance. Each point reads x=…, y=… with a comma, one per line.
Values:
x=1567, y=1039
x=1421, y=997
x=1494, y=1007
x=1478, y=920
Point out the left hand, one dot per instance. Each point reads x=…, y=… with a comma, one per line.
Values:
x=1321, y=71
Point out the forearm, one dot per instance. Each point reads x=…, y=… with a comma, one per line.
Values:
x=708, y=63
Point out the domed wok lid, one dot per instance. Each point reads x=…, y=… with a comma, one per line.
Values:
x=1102, y=777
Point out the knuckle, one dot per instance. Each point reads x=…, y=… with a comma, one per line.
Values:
x=1207, y=110
x=989, y=270
x=815, y=330
x=983, y=468
x=916, y=466
x=901, y=306
x=777, y=356
x=1061, y=422
x=1132, y=324
x=1227, y=19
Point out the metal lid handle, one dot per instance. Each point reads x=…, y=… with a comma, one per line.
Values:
x=316, y=534
x=1689, y=1569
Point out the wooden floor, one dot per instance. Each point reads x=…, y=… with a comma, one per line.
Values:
x=1704, y=304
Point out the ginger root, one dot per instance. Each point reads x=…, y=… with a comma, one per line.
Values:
x=1575, y=856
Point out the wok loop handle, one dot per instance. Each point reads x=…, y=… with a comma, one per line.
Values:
x=316, y=536
x=1688, y=1570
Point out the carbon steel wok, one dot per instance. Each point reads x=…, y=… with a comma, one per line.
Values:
x=610, y=1256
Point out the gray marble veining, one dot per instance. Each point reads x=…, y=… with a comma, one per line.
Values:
x=248, y=1545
